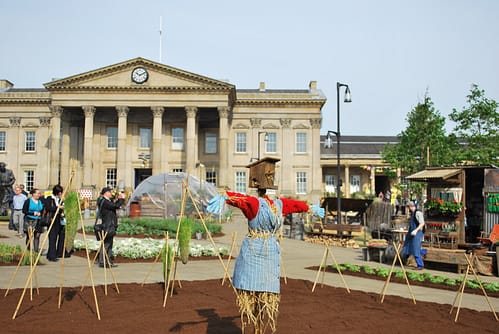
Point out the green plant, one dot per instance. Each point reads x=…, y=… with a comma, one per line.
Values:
x=184, y=236
x=72, y=215
x=439, y=206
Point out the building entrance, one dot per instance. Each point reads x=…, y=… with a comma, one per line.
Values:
x=141, y=174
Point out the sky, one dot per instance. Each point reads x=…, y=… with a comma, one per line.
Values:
x=390, y=52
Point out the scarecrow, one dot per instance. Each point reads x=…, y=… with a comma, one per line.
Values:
x=257, y=270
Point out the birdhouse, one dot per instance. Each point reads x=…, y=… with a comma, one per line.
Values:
x=262, y=173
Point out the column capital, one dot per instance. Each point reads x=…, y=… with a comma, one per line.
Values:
x=285, y=122
x=191, y=111
x=157, y=111
x=89, y=111
x=255, y=122
x=316, y=123
x=122, y=111
x=15, y=121
x=44, y=121
x=56, y=111
x=223, y=112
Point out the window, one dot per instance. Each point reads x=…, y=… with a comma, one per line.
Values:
x=30, y=142
x=145, y=137
x=2, y=140
x=241, y=182
x=354, y=183
x=271, y=146
x=301, y=142
x=211, y=177
x=111, y=177
x=112, y=137
x=301, y=183
x=240, y=142
x=210, y=144
x=29, y=179
x=177, y=170
x=178, y=138
x=330, y=181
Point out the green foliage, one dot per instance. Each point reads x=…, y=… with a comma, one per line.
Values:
x=352, y=267
x=415, y=276
x=184, y=237
x=368, y=270
x=72, y=215
x=450, y=282
x=398, y=274
x=478, y=125
x=8, y=253
x=167, y=260
x=382, y=272
x=423, y=143
x=158, y=227
x=437, y=279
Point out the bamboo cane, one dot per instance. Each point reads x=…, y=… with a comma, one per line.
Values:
x=397, y=257
x=61, y=280
x=210, y=238
x=32, y=269
x=322, y=263
x=233, y=244
x=90, y=271
x=155, y=260
x=470, y=266
x=23, y=253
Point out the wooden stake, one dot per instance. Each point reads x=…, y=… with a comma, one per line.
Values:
x=323, y=265
x=397, y=257
x=460, y=292
x=233, y=244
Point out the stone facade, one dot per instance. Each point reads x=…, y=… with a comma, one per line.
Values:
x=111, y=126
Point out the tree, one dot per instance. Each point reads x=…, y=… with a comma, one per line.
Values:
x=478, y=126
x=424, y=141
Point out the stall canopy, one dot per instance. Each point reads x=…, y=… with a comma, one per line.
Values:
x=428, y=174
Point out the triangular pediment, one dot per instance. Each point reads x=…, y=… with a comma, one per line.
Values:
x=119, y=77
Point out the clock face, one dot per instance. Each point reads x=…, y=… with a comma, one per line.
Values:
x=140, y=75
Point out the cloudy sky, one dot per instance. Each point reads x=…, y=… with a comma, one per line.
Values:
x=390, y=52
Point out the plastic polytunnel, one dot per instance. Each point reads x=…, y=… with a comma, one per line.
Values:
x=162, y=195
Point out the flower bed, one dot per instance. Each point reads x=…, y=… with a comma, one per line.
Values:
x=415, y=278
x=147, y=248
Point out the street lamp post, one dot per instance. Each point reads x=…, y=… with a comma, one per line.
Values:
x=328, y=143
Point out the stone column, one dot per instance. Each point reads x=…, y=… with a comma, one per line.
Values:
x=372, y=178
x=190, y=151
x=55, y=147
x=121, y=172
x=13, y=146
x=157, y=125
x=288, y=177
x=88, y=139
x=346, y=182
x=43, y=136
x=315, y=164
x=223, y=114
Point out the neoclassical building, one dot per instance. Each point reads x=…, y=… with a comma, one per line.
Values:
x=119, y=124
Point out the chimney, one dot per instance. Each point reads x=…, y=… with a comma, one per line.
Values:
x=5, y=84
x=312, y=85
x=262, y=86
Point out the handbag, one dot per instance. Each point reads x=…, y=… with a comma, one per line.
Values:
x=45, y=219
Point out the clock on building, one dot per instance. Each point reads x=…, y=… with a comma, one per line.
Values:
x=140, y=75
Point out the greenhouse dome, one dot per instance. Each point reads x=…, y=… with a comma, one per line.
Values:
x=161, y=196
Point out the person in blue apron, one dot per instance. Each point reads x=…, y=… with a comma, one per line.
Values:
x=257, y=269
x=414, y=237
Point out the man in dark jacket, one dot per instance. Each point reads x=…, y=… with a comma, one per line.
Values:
x=107, y=211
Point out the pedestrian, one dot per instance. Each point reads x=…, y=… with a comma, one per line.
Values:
x=17, y=210
x=415, y=234
x=33, y=210
x=55, y=208
x=22, y=190
x=107, y=210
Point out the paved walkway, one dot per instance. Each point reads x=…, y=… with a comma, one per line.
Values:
x=297, y=255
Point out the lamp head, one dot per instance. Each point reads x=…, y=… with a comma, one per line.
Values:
x=348, y=97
